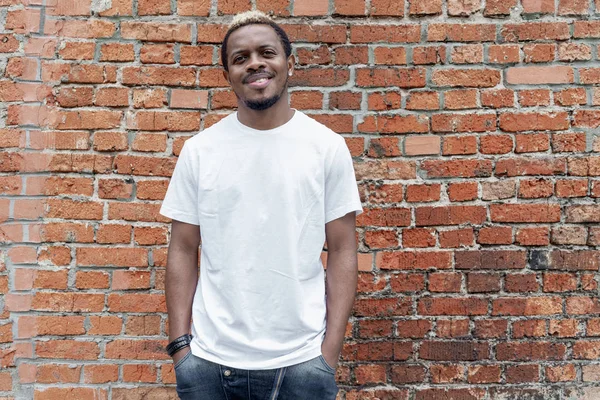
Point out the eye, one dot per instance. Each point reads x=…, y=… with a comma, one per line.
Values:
x=238, y=59
x=269, y=52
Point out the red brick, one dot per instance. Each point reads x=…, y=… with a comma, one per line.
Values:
x=573, y=7
x=463, y=168
x=490, y=259
x=139, y=373
x=77, y=51
x=375, y=328
x=145, y=325
x=390, y=55
x=319, y=77
x=483, y=282
x=466, y=77
x=114, y=189
x=540, y=75
x=421, y=145
x=423, y=101
x=539, y=52
x=449, y=215
x=135, y=212
x=429, y=55
x=110, y=141
x=570, y=97
x=445, y=32
x=535, y=31
x=100, y=373
x=460, y=99
x=463, y=122
x=112, y=97
x=382, y=307
x=403, y=374
x=522, y=373
x=136, y=302
x=532, y=328
x=68, y=302
x=193, y=8
x=503, y=54
x=561, y=373
x=386, y=77
x=533, y=236
x=385, y=33
x=536, y=188
x=467, y=54
x=409, y=260
x=538, y=7
x=497, y=98
x=463, y=191
x=527, y=306
x=117, y=52
x=484, y=374
x=534, y=97
x=122, y=257
x=149, y=98
x=127, y=280
x=316, y=33
x=565, y=235
x=369, y=374
x=387, y=169
x=381, y=239
x=456, y=238
x=164, y=120
x=91, y=280
x=496, y=144
x=105, y=325
x=403, y=283
x=453, y=351
x=418, y=237
x=563, y=328
x=68, y=349
x=445, y=282
x=495, y=235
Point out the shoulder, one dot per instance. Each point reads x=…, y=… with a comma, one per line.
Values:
x=319, y=132
x=207, y=138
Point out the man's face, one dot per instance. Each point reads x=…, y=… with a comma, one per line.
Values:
x=258, y=67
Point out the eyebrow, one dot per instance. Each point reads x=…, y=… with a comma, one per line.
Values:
x=235, y=52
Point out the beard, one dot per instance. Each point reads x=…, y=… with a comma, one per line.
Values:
x=263, y=104
x=259, y=105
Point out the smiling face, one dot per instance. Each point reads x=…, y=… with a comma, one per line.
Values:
x=258, y=67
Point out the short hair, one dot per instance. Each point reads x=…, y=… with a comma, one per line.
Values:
x=253, y=18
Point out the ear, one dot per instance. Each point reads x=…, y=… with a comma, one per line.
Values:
x=291, y=62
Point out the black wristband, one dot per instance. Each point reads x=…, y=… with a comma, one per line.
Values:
x=178, y=344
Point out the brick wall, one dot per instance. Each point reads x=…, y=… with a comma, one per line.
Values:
x=474, y=126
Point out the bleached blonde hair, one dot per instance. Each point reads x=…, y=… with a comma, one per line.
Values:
x=249, y=17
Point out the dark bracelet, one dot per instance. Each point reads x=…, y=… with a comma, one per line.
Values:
x=178, y=344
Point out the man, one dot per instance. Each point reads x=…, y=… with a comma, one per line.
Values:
x=264, y=188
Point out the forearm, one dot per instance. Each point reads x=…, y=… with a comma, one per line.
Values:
x=342, y=276
x=180, y=285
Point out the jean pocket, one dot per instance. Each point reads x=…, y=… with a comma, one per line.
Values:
x=326, y=365
x=183, y=359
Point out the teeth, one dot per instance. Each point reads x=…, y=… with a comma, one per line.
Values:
x=261, y=80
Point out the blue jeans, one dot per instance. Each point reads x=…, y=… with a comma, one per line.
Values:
x=200, y=379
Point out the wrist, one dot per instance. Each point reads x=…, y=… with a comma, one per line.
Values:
x=178, y=344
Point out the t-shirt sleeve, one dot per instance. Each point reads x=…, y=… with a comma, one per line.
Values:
x=181, y=200
x=341, y=190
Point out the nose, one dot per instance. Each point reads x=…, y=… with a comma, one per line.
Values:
x=255, y=62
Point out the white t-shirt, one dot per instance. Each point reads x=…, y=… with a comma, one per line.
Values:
x=261, y=199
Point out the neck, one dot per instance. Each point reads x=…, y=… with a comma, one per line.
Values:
x=274, y=116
